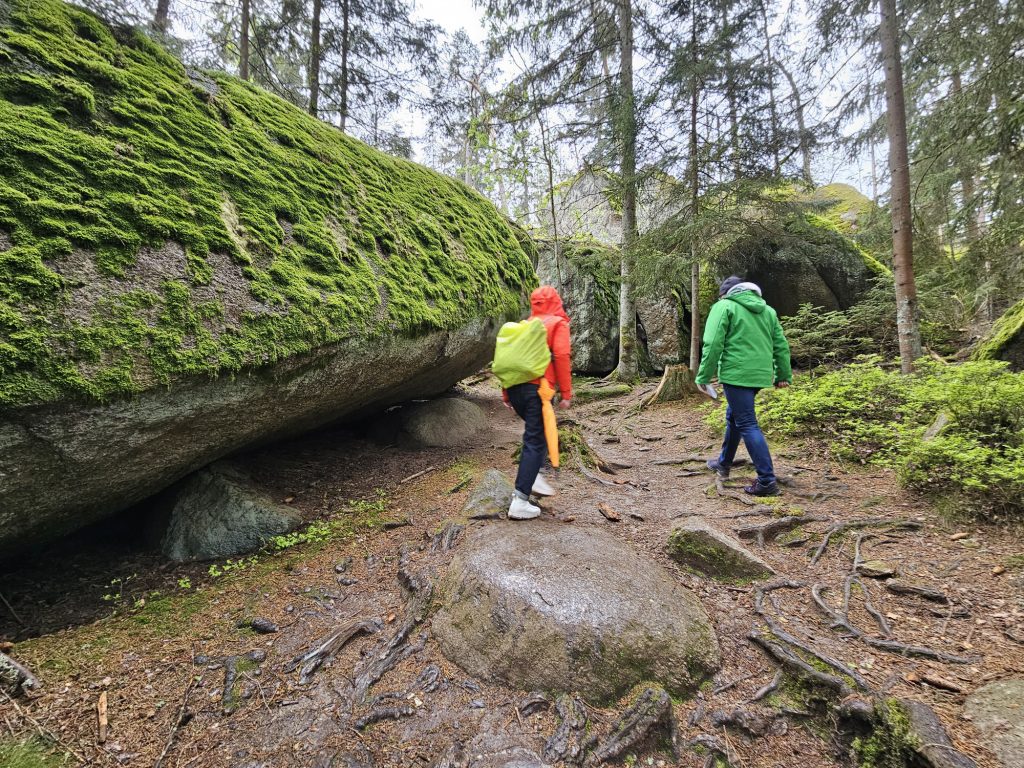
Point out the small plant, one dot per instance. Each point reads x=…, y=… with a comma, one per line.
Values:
x=185, y=583
x=117, y=588
x=232, y=566
x=315, y=532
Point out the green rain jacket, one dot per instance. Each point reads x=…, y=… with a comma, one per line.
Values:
x=743, y=342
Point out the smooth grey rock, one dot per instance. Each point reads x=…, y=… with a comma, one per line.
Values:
x=67, y=464
x=446, y=422
x=538, y=605
x=697, y=545
x=490, y=496
x=877, y=569
x=215, y=514
x=997, y=711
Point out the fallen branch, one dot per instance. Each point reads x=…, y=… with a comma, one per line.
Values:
x=413, y=476
x=771, y=687
x=892, y=646
x=586, y=472
x=101, y=718
x=11, y=610
x=328, y=647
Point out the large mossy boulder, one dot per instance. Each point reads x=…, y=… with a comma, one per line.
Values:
x=190, y=266
x=812, y=258
x=1005, y=341
x=997, y=711
x=547, y=606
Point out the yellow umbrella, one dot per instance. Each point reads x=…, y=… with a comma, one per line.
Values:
x=547, y=392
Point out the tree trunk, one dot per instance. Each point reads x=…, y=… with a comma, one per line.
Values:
x=525, y=203
x=899, y=167
x=730, y=96
x=966, y=175
x=871, y=142
x=695, y=332
x=627, y=367
x=243, y=44
x=345, y=42
x=314, y=60
x=774, y=113
x=161, y=19
x=676, y=383
x=805, y=144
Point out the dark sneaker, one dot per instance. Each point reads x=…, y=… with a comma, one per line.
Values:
x=757, y=488
x=716, y=466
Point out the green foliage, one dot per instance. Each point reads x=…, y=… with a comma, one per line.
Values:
x=30, y=753
x=109, y=145
x=229, y=566
x=316, y=532
x=870, y=414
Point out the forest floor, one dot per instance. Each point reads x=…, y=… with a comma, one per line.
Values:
x=103, y=618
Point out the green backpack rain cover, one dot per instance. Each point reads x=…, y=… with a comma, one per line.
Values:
x=521, y=353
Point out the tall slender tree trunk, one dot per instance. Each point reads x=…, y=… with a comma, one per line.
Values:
x=730, y=96
x=345, y=43
x=161, y=19
x=805, y=143
x=871, y=141
x=243, y=44
x=627, y=367
x=899, y=166
x=966, y=174
x=314, y=60
x=695, y=324
x=773, y=107
x=525, y=202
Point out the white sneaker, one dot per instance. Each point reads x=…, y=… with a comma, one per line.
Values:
x=542, y=487
x=522, y=509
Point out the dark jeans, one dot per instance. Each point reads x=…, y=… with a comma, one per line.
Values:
x=526, y=402
x=741, y=422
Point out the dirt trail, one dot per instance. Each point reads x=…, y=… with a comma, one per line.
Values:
x=161, y=659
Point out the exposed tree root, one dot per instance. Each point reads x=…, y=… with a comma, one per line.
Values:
x=899, y=587
x=841, y=622
x=421, y=589
x=769, y=688
x=445, y=539
x=870, y=522
x=314, y=658
x=676, y=383
x=569, y=742
x=773, y=528
x=651, y=710
x=800, y=668
x=713, y=749
x=15, y=679
x=383, y=713
x=730, y=494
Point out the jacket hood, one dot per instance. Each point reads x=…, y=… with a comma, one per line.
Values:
x=748, y=296
x=546, y=301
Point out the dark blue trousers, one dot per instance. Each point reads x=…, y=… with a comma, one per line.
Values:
x=526, y=403
x=741, y=423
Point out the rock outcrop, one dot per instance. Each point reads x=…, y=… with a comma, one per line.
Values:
x=445, y=422
x=216, y=513
x=559, y=608
x=198, y=266
x=1005, y=341
x=997, y=711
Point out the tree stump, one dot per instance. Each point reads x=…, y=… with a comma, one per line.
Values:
x=676, y=383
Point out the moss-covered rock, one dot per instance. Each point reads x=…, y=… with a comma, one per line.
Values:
x=813, y=259
x=190, y=265
x=1005, y=341
x=697, y=545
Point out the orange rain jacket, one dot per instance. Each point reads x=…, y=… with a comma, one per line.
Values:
x=546, y=306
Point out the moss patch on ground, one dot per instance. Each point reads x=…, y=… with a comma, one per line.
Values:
x=30, y=753
x=110, y=146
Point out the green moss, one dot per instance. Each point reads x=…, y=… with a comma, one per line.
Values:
x=30, y=753
x=699, y=553
x=108, y=144
x=891, y=743
x=1006, y=329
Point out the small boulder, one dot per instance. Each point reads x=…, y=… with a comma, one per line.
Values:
x=546, y=606
x=697, y=545
x=490, y=497
x=997, y=711
x=444, y=423
x=877, y=569
x=215, y=513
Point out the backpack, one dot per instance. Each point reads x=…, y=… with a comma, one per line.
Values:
x=521, y=352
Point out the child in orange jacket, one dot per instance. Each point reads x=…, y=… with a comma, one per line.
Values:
x=525, y=400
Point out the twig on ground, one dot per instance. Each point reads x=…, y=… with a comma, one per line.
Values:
x=179, y=718
x=727, y=686
x=11, y=610
x=413, y=476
